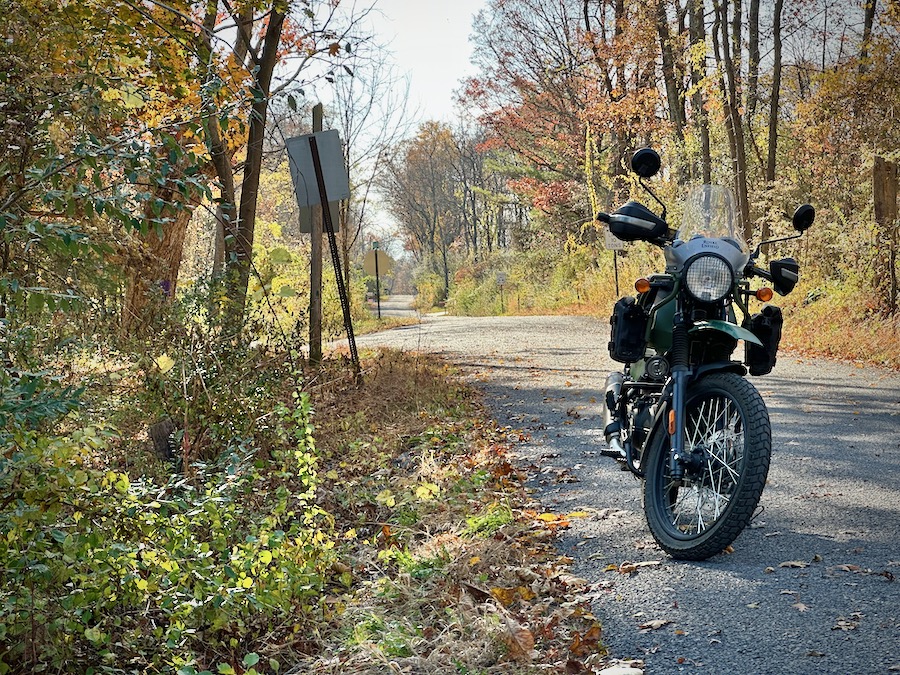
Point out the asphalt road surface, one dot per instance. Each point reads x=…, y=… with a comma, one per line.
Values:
x=809, y=588
x=395, y=305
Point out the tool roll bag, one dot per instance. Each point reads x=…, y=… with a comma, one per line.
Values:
x=628, y=325
x=766, y=325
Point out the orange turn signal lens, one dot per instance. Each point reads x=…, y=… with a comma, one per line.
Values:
x=671, y=423
x=764, y=294
x=642, y=285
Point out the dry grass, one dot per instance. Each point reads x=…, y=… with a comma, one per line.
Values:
x=446, y=566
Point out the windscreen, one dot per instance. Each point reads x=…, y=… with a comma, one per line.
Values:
x=709, y=211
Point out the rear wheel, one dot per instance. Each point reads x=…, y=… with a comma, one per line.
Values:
x=728, y=443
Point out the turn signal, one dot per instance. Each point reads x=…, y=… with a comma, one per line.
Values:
x=764, y=294
x=642, y=285
x=671, y=423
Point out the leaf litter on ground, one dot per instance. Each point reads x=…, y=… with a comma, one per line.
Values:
x=465, y=580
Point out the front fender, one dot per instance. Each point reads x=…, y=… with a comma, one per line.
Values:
x=728, y=328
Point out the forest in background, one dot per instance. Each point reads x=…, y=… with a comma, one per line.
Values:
x=785, y=102
x=173, y=495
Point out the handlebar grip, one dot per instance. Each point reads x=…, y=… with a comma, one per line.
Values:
x=603, y=217
x=753, y=270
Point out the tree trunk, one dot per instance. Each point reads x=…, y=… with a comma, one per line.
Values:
x=698, y=36
x=673, y=95
x=884, y=192
x=732, y=107
x=868, y=20
x=240, y=249
x=753, y=63
x=152, y=274
x=772, y=150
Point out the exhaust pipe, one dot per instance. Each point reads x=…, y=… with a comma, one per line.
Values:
x=611, y=425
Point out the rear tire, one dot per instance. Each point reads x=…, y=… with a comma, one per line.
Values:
x=728, y=444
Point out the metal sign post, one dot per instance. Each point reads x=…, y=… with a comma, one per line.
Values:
x=377, y=279
x=335, y=256
x=614, y=244
x=374, y=263
x=325, y=162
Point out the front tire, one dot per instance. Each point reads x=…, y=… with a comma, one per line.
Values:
x=728, y=444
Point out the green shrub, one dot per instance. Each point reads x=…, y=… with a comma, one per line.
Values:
x=125, y=576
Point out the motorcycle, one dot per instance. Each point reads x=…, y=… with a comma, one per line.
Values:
x=681, y=415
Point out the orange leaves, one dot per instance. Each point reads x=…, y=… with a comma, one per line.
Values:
x=582, y=645
x=519, y=640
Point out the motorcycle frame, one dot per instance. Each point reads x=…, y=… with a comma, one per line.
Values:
x=670, y=395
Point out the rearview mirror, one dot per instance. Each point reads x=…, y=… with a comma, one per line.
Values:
x=803, y=218
x=785, y=274
x=646, y=162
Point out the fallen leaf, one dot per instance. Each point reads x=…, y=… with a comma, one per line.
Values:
x=506, y=596
x=582, y=645
x=794, y=563
x=753, y=605
x=814, y=653
x=800, y=607
x=630, y=567
x=654, y=625
x=519, y=640
x=769, y=570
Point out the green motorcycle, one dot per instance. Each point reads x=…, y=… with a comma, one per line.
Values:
x=682, y=415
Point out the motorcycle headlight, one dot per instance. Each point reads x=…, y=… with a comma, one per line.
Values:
x=708, y=278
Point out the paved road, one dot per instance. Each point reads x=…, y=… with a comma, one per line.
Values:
x=831, y=507
x=395, y=305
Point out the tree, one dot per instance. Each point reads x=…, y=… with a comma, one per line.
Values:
x=421, y=194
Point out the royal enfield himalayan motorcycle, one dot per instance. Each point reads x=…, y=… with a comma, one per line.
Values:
x=682, y=415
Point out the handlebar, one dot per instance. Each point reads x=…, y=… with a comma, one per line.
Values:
x=754, y=271
x=603, y=217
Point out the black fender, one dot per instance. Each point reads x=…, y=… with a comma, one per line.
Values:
x=716, y=367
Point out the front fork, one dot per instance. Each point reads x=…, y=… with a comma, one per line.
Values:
x=680, y=357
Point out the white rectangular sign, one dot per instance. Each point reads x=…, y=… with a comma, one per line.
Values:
x=613, y=243
x=303, y=173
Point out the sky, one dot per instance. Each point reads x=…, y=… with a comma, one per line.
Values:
x=430, y=41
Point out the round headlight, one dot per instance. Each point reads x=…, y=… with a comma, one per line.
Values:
x=708, y=278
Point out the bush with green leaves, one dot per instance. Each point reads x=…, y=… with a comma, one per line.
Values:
x=122, y=576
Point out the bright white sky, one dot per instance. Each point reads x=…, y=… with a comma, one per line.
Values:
x=430, y=41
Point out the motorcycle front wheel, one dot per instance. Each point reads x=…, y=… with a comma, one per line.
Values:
x=728, y=443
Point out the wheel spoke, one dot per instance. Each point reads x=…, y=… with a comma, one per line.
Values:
x=712, y=427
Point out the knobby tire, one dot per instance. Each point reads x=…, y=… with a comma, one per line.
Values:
x=727, y=432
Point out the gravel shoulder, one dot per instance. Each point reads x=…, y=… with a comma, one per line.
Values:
x=810, y=585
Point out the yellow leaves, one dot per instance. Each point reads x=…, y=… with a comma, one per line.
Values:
x=128, y=96
x=507, y=596
x=427, y=491
x=164, y=362
x=556, y=520
x=386, y=498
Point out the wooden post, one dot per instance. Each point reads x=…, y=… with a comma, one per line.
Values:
x=315, y=268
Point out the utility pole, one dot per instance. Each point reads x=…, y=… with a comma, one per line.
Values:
x=315, y=268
